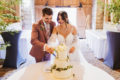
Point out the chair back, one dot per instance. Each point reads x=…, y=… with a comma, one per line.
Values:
x=113, y=57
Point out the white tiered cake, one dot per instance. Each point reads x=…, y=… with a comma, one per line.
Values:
x=61, y=67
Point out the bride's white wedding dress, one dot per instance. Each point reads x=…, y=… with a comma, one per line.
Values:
x=82, y=69
x=86, y=70
x=69, y=41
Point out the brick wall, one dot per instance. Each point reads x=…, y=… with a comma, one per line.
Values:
x=97, y=15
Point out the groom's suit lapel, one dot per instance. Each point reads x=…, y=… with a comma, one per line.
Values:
x=42, y=27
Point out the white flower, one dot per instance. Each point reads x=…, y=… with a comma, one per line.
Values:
x=61, y=48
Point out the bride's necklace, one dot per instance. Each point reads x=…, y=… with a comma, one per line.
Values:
x=64, y=29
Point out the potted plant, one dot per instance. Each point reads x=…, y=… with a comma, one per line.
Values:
x=114, y=9
x=10, y=35
x=7, y=13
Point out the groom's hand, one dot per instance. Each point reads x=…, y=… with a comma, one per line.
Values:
x=49, y=49
x=72, y=50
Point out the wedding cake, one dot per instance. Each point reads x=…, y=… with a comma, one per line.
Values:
x=61, y=67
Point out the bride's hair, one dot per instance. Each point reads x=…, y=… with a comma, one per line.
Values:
x=64, y=16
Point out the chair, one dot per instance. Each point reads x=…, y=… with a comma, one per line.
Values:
x=113, y=57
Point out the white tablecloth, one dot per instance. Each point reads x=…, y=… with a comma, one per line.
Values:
x=97, y=42
x=2, y=52
x=82, y=71
x=25, y=44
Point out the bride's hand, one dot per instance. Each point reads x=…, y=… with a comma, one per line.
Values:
x=72, y=50
x=49, y=49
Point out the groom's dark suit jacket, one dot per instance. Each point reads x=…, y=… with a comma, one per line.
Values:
x=38, y=39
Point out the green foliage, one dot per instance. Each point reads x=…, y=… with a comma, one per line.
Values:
x=4, y=46
x=114, y=8
x=61, y=69
x=7, y=13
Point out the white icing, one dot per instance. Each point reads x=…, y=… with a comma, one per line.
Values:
x=62, y=55
x=62, y=74
x=62, y=61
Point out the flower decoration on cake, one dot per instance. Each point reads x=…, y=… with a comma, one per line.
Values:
x=61, y=48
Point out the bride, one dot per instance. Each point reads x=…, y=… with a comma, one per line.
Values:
x=67, y=34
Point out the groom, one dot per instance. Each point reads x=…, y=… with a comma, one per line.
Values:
x=41, y=32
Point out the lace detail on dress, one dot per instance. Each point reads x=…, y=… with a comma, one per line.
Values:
x=69, y=40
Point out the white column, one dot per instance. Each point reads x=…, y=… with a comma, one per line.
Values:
x=27, y=13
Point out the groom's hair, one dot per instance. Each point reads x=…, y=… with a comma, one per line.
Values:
x=47, y=11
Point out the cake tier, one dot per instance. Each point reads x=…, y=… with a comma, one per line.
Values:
x=62, y=74
x=61, y=63
x=62, y=55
